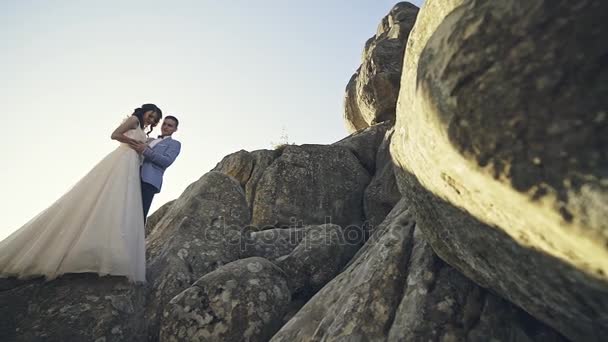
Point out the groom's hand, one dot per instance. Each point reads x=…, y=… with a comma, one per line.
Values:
x=138, y=146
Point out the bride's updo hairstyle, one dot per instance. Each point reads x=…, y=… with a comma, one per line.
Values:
x=139, y=112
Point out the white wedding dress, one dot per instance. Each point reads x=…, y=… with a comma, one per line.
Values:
x=97, y=226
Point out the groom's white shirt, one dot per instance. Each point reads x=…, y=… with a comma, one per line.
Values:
x=156, y=141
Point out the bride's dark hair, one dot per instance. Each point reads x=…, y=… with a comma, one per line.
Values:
x=139, y=112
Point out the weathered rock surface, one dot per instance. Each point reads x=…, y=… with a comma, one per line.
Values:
x=356, y=305
x=272, y=243
x=200, y=232
x=502, y=144
x=73, y=307
x=310, y=184
x=247, y=168
x=371, y=94
x=382, y=193
x=153, y=219
x=397, y=289
x=237, y=165
x=440, y=304
x=262, y=159
x=364, y=144
x=241, y=301
x=318, y=258
x=352, y=115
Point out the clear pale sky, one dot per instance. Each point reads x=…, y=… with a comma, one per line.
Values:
x=236, y=73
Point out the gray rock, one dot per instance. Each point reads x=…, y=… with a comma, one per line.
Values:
x=153, y=219
x=241, y=301
x=200, y=232
x=352, y=116
x=364, y=144
x=319, y=257
x=382, y=193
x=310, y=184
x=261, y=160
x=501, y=142
x=237, y=165
x=371, y=94
x=440, y=304
x=358, y=304
x=397, y=289
x=272, y=243
x=73, y=307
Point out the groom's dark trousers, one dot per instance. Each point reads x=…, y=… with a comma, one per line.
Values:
x=147, y=194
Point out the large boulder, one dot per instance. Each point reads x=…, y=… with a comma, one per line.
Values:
x=310, y=184
x=358, y=304
x=73, y=307
x=318, y=258
x=247, y=168
x=237, y=165
x=364, y=144
x=440, y=304
x=261, y=160
x=501, y=142
x=241, y=301
x=371, y=93
x=272, y=243
x=200, y=232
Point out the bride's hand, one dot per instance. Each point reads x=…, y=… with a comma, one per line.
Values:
x=139, y=147
x=131, y=141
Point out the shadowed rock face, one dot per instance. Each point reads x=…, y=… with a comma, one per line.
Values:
x=73, y=307
x=364, y=144
x=371, y=93
x=382, y=193
x=318, y=258
x=500, y=117
x=200, y=232
x=397, y=289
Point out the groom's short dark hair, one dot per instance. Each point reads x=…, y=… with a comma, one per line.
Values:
x=172, y=118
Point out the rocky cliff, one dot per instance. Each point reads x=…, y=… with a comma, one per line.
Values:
x=468, y=204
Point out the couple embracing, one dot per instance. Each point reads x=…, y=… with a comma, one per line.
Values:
x=98, y=225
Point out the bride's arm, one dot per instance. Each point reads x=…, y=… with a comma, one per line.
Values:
x=119, y=132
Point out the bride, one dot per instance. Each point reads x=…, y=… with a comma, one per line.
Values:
x=97, y=226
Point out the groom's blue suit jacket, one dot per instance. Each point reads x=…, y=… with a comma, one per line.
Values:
x=157, y=159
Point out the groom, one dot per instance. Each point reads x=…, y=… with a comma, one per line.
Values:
x=158, y=155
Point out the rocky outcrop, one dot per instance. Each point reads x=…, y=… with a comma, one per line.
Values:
x=364, y=144
x=237, y=165
x=73, y=307
x=318, y=258
x=501, y=145
x=200, y=232
x=153, y=219
x=262, y=159
x=397, y=289
x=310, y=184
x=272, y=243
x=241, y=301
x=440, y=304
x=479, y=233
x=382, y=193
x=371, y=93
x=247, y=168
x=356, y=305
